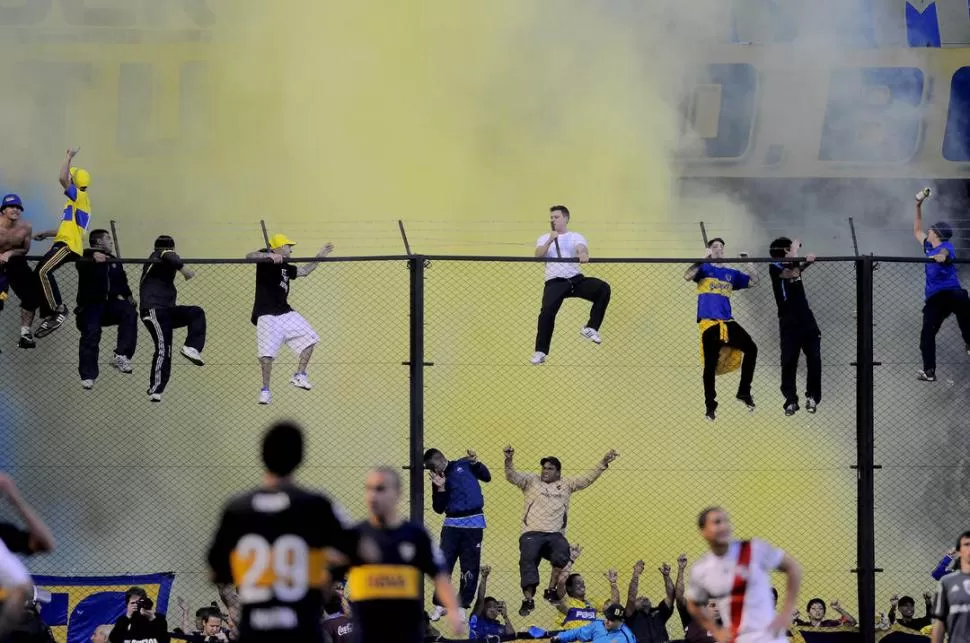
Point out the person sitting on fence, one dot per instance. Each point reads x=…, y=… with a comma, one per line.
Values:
x=719, y=331
x=487, y=611
x=944, y=294
x=907, y=611
x=275, y=320
x=610, y=630
x=571, y=599
x=565, y=280
x=816, y=615
x=544, y=521
x=649, y=622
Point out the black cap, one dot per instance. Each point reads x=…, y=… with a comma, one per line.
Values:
x=613, y=612
x=553, y=460
x=715, y=240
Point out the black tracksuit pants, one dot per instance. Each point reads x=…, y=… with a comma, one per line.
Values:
x=90, y=319
x=935, y=311
x=800, y=334
x=558, y=290
x=160, y=323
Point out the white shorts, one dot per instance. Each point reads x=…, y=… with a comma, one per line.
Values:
x=272, y=331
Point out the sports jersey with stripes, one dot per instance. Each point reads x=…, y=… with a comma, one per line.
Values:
x=75, y=219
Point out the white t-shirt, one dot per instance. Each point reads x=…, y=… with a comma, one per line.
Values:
x=712, y=577
x=12, y=571
x=567, y=248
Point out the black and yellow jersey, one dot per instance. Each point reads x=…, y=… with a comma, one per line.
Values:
x=387, y=595
x=272, y=545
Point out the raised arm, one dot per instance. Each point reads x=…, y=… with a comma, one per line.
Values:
x=307, y=268
x=518, y=479
x=579, y=483
x=944, y=565
x=230, y=598
x=479, y=606
x=918, y=218
x=64, y=175
x=928, y=604
x=40, y=539
x=634, y=589
x=613, y=578
x=668, y=585
x=846, y=617
x=478, y=469
x=679, y=583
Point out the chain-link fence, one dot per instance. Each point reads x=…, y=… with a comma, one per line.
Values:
x=130, y=486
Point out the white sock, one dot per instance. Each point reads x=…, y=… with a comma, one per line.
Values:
x=24, y=330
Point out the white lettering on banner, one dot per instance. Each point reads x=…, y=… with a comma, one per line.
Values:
x=868, y=113
x=273, y=618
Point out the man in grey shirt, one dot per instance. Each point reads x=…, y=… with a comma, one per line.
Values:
x=951, y=611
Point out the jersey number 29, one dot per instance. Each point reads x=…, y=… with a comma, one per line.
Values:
x=279, y=569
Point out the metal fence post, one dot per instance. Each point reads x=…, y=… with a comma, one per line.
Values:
x=416, y=266
x=865, y=452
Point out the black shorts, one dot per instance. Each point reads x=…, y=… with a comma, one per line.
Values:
x=16, y=275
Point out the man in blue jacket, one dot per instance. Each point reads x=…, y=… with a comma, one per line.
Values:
x=456, y=493
x=609, y=630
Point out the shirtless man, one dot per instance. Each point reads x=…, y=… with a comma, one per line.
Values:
x=15, y=235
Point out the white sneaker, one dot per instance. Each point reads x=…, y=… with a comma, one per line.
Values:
x=300, y=380
x=538, y=358
x=155, y=397
x=265, y=397
x=122, y=363
x=192, y=355
x=591, y=334
x=87, y=385
x=438, y=612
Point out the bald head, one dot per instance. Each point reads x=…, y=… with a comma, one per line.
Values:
x=382, y=493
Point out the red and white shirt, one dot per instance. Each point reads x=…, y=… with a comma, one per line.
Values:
x=720, y=578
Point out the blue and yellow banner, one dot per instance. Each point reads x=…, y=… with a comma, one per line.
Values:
x=79, y=604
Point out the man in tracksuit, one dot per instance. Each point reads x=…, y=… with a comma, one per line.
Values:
x=456, y=492
x=161, y=315
x=103, y=299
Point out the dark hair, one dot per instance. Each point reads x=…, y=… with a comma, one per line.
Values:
x=489, y=599
x=813, y=602
x=211, y=612
x=960, y=538
x=164, y=242
x=283, y=448
x=430, y=453
x=97, y=235
x=560, y=208
x=702, y=517
x=135, y=591
x=779, y=247
x=906, y=600
x=715, y=240
x=571, y=580
x=333, y=605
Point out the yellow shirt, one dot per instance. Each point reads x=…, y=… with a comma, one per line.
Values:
x=579, y=613
x=74, y=222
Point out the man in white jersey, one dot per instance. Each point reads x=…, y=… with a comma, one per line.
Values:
x=736, y=575
x=564, y=280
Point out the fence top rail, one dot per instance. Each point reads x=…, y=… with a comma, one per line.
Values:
x=524, y=259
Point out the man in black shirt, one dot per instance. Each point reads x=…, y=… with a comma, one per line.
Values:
x=276, y=322
x=272, y=542
x=103, y=299
x=799, y=331
x=647, y=621
x=907, y=612
x=139, y=623
x=160, y=314
x=386, y=593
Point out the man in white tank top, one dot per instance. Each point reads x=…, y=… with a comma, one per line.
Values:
x=737, y=576
x=565, y=280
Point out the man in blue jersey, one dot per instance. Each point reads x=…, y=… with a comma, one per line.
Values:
x=944, y=294
x=719, y=331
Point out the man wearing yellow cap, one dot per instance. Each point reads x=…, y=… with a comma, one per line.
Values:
x=276, y=322
x=68, y=243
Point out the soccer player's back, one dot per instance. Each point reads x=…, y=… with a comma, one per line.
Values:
x=272, y=544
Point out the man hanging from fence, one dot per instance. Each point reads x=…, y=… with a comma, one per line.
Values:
x=797, y=326
x=565, y=280
x=544, y=523
x=161, y=315
x=944, y=294
x=68, y=243
x=719, y=331
x=275, y=320
x=104, y=298
x=15, y=273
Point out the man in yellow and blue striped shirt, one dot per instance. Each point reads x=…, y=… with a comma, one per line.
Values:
x=68, y=243
x=715, y=283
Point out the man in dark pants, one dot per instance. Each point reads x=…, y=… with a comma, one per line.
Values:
x=944, y=294
x=160, y=314
x=103, y=299
x=15, y=273
x=565, y=280
x=456, y=492
x=715, y=283
x=797, y=325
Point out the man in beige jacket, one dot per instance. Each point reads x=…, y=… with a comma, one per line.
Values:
x=544, y=521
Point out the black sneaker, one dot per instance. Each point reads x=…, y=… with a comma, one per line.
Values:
x=928, y=375
x=53, y=322
x=27, y=340
x=748, y=401
x=811, y=405
x=792, y=407
x=550, y=595
x=528, y=605
x=710, y=415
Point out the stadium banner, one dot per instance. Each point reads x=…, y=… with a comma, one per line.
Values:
x=79, y=604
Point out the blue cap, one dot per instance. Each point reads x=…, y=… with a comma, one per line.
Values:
x=943, y=229
x=11, y=200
